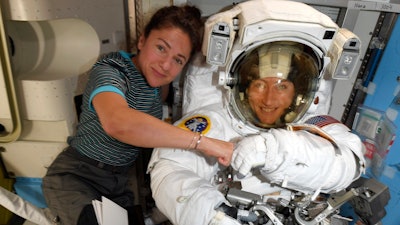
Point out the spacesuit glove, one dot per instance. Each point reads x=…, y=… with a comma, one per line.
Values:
x=249, y=152
x=221, y=218
x=229, y=214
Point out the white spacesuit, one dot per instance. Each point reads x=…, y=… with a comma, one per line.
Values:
x=282, y=147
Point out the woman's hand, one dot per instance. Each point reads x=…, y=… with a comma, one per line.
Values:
x=219, y=149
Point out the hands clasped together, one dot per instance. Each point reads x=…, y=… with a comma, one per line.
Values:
x=248, y=153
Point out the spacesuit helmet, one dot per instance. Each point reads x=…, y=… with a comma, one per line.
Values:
x=275, y=83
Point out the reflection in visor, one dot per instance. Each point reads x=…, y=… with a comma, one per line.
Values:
x=276, y=84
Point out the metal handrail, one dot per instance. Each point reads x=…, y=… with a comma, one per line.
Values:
x=10, y=89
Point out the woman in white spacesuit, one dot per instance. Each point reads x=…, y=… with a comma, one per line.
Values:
x=276, y=114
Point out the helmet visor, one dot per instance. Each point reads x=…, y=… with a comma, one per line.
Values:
x=276, y=83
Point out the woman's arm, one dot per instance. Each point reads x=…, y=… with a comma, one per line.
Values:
x=140, y=129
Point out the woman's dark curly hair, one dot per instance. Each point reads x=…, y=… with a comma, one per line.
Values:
x=186, y=17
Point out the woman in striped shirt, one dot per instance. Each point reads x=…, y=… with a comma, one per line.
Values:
x=121, y=116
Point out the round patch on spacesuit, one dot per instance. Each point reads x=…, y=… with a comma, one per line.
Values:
x=197, y=123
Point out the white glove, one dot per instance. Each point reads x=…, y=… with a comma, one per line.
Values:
x=222, y=219
x=249, y=152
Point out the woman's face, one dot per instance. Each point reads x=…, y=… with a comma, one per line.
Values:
x=269, y=98
x=163, y=54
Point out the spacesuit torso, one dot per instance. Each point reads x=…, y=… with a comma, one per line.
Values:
x=186, y=185
x=271, y=97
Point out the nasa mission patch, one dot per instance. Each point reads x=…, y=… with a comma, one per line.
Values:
x=197, y=123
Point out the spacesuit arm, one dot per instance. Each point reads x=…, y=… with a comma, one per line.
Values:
x=181, y=194
x=307, y=162
x=182, y=181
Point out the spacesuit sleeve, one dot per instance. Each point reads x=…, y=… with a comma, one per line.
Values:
x=307, y=162
x=182, y=181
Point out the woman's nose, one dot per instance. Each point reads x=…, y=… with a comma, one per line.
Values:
x=269, y=96
x=166, y=63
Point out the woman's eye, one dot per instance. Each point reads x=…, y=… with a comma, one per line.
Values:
x=179, y=61
x=259, y=85
x=160, y=48
x=281, y=86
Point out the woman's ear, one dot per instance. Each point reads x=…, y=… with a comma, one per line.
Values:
x=141, y=42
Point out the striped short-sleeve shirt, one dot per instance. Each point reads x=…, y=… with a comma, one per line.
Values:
x=114, y=72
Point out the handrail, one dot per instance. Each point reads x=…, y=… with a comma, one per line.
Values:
x=9, y=84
